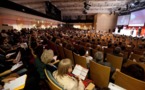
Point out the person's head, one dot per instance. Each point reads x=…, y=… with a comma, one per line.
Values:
x=88, y=45
x=57, y=41
x=34, y=34
x=135, y=71
x=99, y=48
x=109, y=45
x=47, y=56
x=98, y=56
x=117, y=50
x=82, y=51
x=64, y=67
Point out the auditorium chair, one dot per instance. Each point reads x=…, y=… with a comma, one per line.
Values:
x=130, y=62
x=80, y=60
x=61, y=52
x=53, y=84
x=115, y=61
x=135, y=56
x=128, y=82
x=99, y=74
x=69, y=54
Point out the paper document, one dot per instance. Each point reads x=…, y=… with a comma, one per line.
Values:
x=17, y=84
x=14, y=67
x=113, y=86
x=80, y=71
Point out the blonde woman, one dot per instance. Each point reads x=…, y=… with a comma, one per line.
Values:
x=65, y=80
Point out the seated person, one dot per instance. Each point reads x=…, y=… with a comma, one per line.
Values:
x=47, y=59
x=5, y=44
x=84, y=53
x=117, y=52
x=98, y=57
x=7, y=61
x=9, y=75
x=64, y=79
x=136, y=71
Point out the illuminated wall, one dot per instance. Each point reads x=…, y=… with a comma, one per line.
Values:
x=20, y=23
x=84, y=26
x=104, y=22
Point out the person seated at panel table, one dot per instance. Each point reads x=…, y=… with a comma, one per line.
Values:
x=139, y=31
x=132, y=31
x=64, y=79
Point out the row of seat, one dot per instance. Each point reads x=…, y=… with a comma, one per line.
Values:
x=98, y=73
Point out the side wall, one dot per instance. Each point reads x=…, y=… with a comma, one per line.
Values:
x=105, y=22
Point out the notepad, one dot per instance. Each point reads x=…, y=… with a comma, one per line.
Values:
x=17, y=84
x=113, y=86
x=14, y=67
x=80, y=71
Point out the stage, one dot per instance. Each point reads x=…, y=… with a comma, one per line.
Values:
x=127, y=32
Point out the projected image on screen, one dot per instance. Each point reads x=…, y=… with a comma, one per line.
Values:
x=123, y=20
x=137, y=18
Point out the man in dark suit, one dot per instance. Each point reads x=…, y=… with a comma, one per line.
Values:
x=139, y=31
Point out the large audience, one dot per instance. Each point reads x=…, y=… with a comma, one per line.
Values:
x=37, y=53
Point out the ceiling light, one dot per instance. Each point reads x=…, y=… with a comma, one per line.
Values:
x=132, y=4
